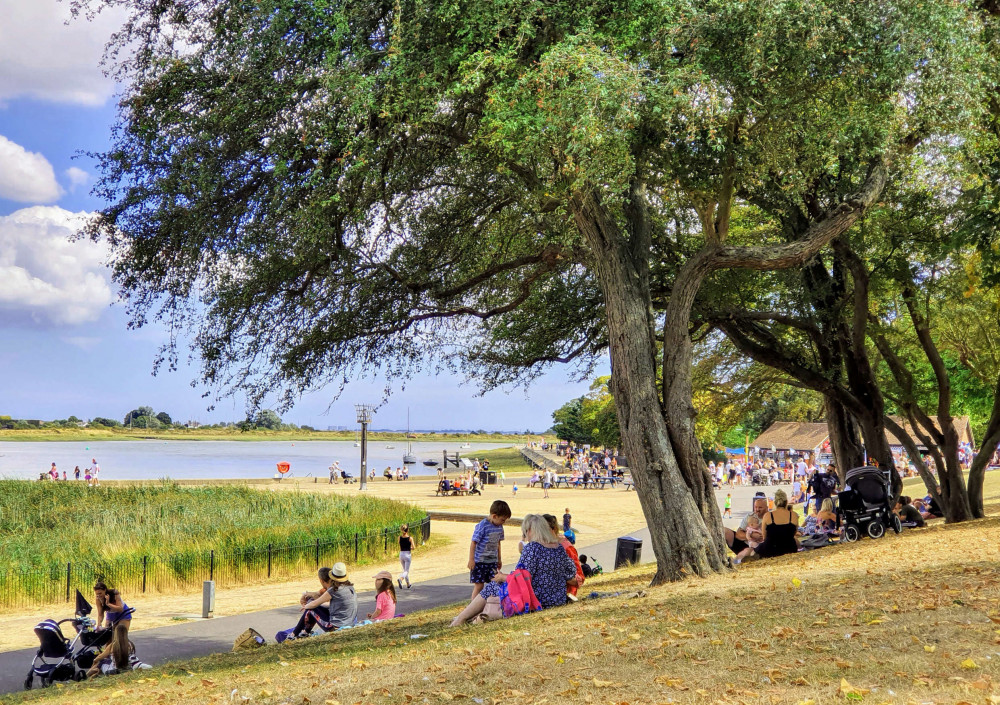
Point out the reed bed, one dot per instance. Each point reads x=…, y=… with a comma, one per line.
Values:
x=167, y=537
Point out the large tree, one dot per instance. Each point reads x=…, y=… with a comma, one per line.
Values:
x=328, y=188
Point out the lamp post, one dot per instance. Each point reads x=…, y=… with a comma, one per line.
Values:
x=365, y=413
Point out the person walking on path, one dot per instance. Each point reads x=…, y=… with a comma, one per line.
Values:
x=405, y=555
x=729, y=506
x=567, y=520
x=95, y=471
x=546, y=483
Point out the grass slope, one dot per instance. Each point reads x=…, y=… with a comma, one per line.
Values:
x=907, y=619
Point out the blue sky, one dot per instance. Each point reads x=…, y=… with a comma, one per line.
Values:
x=66, y=349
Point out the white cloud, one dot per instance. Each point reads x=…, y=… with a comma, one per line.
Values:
x=84, y=342
x=47, y=280
x=26, y=177
x=77, y=177
x=44, y=56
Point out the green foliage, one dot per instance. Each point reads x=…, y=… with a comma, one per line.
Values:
x=325, y=190
x=568, y=424
x=268, y=419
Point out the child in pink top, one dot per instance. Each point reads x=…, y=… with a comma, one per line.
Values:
x=385, y=597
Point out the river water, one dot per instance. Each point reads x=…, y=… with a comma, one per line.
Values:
x=152, y=459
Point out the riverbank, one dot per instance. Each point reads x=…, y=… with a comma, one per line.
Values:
x=454, y=440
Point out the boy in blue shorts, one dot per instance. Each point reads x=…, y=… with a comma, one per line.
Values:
x=484, y=553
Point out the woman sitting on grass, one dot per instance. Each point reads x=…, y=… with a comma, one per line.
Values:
x=332, y=607
x=827, y=518
x=779, y=527
x=547, y=562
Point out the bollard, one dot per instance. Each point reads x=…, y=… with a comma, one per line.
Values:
x=207, y=599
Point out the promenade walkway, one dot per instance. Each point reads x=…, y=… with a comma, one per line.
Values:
x=204, y=637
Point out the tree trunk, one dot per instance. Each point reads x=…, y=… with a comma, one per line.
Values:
x=955, y=494
x=682, y=540
x=845, y=436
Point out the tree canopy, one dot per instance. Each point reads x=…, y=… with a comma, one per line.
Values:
x=326, y=189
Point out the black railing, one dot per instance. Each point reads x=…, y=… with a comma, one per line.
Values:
x=182, y=571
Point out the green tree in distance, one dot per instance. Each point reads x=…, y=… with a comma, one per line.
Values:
x=322, y=189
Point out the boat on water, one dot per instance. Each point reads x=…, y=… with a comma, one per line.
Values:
x=389, y=447
x=408, y=457
x=430, y=463
x=466, y=446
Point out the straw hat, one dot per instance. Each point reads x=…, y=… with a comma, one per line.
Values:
x=383, y=575
x=339, y=571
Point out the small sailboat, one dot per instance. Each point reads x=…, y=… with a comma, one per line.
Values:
x=357, y=440
x=408, y=458
x=389, y=447
x=466, y=445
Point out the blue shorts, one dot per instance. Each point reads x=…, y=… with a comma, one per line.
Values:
x=483, y=572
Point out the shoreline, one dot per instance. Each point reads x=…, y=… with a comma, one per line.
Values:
x=43, y=435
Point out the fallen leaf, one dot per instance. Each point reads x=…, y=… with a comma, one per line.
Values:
x=968, y=664
x=930, y=648
x=602, y=684
x=851, y=692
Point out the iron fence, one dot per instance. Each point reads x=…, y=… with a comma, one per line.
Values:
x=181, y=571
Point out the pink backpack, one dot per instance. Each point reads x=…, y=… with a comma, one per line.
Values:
x=516, y=596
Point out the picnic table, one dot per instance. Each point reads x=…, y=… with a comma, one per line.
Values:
x=599, y=481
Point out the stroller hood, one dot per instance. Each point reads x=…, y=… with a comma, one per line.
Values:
x=83, y=607
x=866, y=471
x=52, y=643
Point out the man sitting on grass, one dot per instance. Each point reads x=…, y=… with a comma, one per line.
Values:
x=908, y=514
x=737, y=540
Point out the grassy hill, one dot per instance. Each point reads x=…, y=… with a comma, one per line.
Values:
x=913, y=618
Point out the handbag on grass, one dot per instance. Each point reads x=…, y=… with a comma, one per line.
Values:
x=492, y=610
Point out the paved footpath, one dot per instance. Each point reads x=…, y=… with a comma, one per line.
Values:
x=203, y=637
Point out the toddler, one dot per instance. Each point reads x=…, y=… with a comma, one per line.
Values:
x=754, y=538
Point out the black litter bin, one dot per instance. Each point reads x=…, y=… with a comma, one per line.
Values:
x=629, y=551
x=488, y=477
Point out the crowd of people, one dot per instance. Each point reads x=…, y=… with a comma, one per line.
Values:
x=91, y=474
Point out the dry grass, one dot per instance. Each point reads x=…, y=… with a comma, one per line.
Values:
x=907, y=619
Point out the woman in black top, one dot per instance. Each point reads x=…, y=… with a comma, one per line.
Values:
x=779, y=527
x=405, y=554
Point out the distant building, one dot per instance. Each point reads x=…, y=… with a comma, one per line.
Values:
x=790, y=438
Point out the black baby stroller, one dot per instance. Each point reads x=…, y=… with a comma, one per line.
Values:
x=864, y=504
x=60, y=659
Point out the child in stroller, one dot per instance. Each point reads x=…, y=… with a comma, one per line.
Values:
x=864, y=504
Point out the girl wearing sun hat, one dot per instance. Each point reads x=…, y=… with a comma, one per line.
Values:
x=385, y=597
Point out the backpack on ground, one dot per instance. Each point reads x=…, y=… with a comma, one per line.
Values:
x=250, y=639
x=517, y=596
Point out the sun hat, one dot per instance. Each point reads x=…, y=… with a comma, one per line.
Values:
x=383, y=575
x=339, y=571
